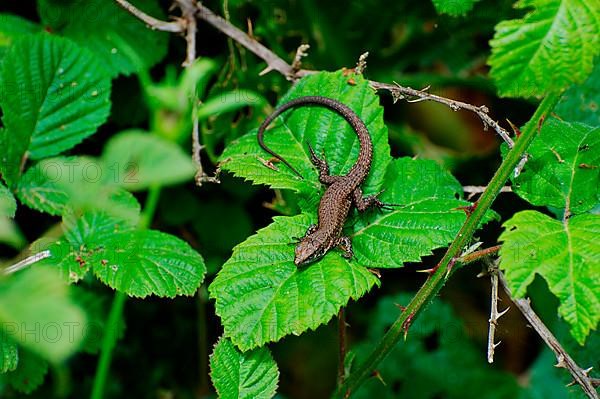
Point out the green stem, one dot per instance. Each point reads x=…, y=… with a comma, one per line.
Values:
x=444, y=268
x=111, y=333
x=149, y=207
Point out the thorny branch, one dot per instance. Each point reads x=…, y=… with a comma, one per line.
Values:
x=153, y=23
x=400, y=92
x=274, y=62
x=292, y=72
x=581, y=376
x=492, y=270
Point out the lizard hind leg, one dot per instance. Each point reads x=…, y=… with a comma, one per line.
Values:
x=345, y=245
x=321, y=164
x=364, y=203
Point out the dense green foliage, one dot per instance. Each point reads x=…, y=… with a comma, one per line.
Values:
x=98, y=181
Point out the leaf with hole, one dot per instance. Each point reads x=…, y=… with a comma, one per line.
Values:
x=581, y=103
x=566, y=254
x=564, y=167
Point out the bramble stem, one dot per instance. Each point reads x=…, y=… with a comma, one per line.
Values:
x=111, y=335
x=445, y=267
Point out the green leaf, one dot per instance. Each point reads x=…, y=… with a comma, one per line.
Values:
x=323, y=129
x=564, y=168
x=9, y=355
x=548, y=49
x=145, y=262
x=83, y=235
x=236, y=374
x=55, y=95
x=11, y=28
x=57, y=184
x=454, y=7
x=581, y=102
x=29, y=374
x=10, y=234
x=229, y=101
x=123, y=42
x=428, y=215
x=48, y=322
x=565, y=254
x=8, y=205
x=139, y=160
x=262, y=296
x=436, y=360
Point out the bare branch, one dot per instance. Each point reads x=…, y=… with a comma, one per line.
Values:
x=580, y=375
x=362, y=63
x=300, y=53
x=276, y=63
x=494, y=314
x=188, y=11
x=401, y=92
x=27, y=262
x=152, y=22
x=273, y=61
x=477, y=255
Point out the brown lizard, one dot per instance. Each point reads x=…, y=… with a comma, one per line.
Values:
x=342, y=191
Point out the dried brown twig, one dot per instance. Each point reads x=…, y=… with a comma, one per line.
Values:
x=492, y=270
x=293, y=72
x=274, y=62
x=580, y=376
x=152, y=22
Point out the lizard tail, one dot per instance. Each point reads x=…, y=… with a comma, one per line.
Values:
x=366, y=151
x=261, y=133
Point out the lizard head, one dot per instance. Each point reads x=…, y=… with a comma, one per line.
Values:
x=308, y=250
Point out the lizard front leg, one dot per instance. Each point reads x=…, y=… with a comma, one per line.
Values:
x=321, y=164
x=345, y=245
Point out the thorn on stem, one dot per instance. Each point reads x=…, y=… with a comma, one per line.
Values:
x=377, y=375
x=407, y=323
